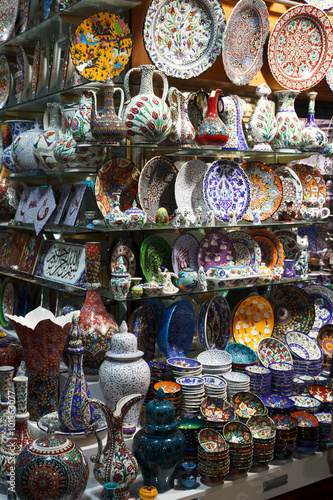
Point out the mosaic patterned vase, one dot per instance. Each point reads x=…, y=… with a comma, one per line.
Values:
x=234, y=109
x=182, y=132
x=211, y=130
x=80, y=124
x=45, y=143
x=115, y=462
x=23, y=153
x=43, y=338
x=16, y=128
x=289, y=129
x=76, y=389
x=262, y=125
x=6, y=377
x=93, y=261
x=147, y=117
x=313, y=138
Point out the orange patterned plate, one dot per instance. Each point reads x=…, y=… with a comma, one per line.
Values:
x=274, y=239
x=312, y=181
x=269, y=252
x=325, y=340
x=252, y=321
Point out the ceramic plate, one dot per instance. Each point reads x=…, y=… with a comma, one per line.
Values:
x=5, y=78
x=188, y=189
x=300, y=47
x=118, y=175
x=248, y=252
x=184, y=252
x=252, y=320
x=271, y=236
x=128, y=249
x=54, y=69
x=288, y=240
x=23, y=15
x=157, y=187
x=312, y=181
x=36, y=66
x=329, y=75
x=244, y=39
x=322, y=297
x=226, y=190
x=213, y=323
x=184, y=39
x=176, y=330
x=293, y=310
x=22, y=75
x=268, y=251
x=215, y=250
x=8, y=14
x=266, y=189
x=325, y=340
x=43, y=424
x=102, y=46
x=292, y=192
x=143, y=324
x=154, y=253
x=8, y=301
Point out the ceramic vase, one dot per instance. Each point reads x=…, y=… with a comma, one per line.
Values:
x=159, y=446
x=313, y=138
x=16, y=127
x=116, y=218
x=6, y=399
x=76, y=389
x=46, y=141
x=120, y=281
x=147, y=117
x=262, y=125
x=107, y=127
x=211, y=130
x=289, y=128
x=232, y=114
x=136, y=218
x=43, y=338
x=93, y=261
x=80, y=124
x=23, y=154
x=53, y=466
x=188, y=280
x=115, y=462
x=188, y=479
x=124, y=372
x=182, y=132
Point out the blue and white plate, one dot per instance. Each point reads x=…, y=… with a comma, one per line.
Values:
x=188, y=189
x=213, y=323
x=322, y=297
x=247, y=250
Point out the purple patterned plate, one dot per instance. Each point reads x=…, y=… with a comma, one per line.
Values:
x=184, y=252
x=216, y=250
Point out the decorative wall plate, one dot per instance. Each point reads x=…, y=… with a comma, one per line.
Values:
x=271, y=236
x=325, y=340
x=55, y=67
x=184, y=39
x=102, y=46
x=268, y=250
x=143, y=324
x=322, y=297
x=226, y=190
x=314, y=186
x=216, y=250
x=129, y=250
x=248, y=252
x=293, y=310
x=36, y=67
x=271, y=350
x=5, y=78
x=188, y=189
x=244, y=39
x=300, y=47
x=292, y=192
x=8, y=10
x=329, y=74
x=157, y=187
x=184, y=252
x=213, y=323
x=118, y=175
x=7, y=301
x=154, y=253
x=23, y=15
x=288, y=240
x=22, y=76
x=266, y=189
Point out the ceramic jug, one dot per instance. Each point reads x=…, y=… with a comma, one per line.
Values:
x=23, y=151
x=289, y=129
x=45, y=143
x=114, y=462
x=116, y=218
x=262, y=125
x=211, y=130
x=182, y=132
x=80, y=124
x=147, y=117
x=313, y=138
x=16, y=128
x=232, y=114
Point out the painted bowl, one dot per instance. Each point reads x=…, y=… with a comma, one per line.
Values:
x=214, y=358
x=237, y=433
x=216, y=409
x=241, y=353
x=262, y=427
x=212, y=441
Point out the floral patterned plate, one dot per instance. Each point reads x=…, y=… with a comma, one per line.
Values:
x=299, y=49
x=184, y=38
x=271, y=236
x=188, y=189
x=8, y=14
x=244, y=39
x=322, y=297
x=314, y=186
x=322, y=393
x=102, y=46
x=247, y=404
x=184, y=252
x=247, y=250
x=302, y=346
x=154, y=253
x=216, y=250
x=288, y=240
x=5, y=78
x=271, y=350
x=325, y=340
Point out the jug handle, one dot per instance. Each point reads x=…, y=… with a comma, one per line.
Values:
x=126, y=83
x=122, y=100
x=92, y=428
x=173, y=107
x=46, y=117
x=165, y=83
x=195, y=100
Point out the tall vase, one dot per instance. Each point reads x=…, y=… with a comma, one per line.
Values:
x=6, y=377
x=262, y=125
x=16, y=128
x=289, y=129
x=80, y=125
x=114, y=462
x=147, y=117
x=182, y=132
x=96, y=325
x=43, y=338
x=313, y=138
x=76, y=389
x=234, y=109
x=211, y=130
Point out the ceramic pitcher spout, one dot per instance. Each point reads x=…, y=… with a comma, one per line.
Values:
x=125, y=403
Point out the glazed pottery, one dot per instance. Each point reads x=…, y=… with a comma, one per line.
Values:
x=188, y=280
x=313, y=138
x=182, y=132
x=43, y=338
x=136, y=218
x=10, y=351
x=147, y=117
x=80, y=124
x=46, y=141
x=109, y=490
x=76, y=389
x=51, y=467
x=10, y=193
x=6, y=377
x=116, y=218
x=159, y=446
x=232, y=114
x=262, y=125
x=22, y=149
x=93, y=261
x=107, y=127
x=289, y=128
x=188, y=479
x=211, y=130
x=16, y=128
x=148, y=493
x=289, y=269
x=115, y=462
x=124, y=372
x=120, y=281
x=314, y=213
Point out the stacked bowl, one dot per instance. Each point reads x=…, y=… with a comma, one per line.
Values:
x=246, y=405
x=264, y=435
x=236, y=382
x=278, y=404
x=216, y=412
x=306, y=403
x=215, y=362
x=323, y=394
x=239, y=438
x=173, y=393
x=184, y=367
x=282, y=378
x=193, y=392
x=213, y=457
x=307, y=379
x=286, y=433
x=260, y=379
x=307, y=355
x=191, y=427
x=158, y=372
x=215, y=386
x=299, y=386
x=325, y=422
x=242, y=356
x=307, y=434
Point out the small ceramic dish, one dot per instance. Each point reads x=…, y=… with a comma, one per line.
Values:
x=305, y=419
x=214, y=382
x=216, y=409
x=237, y=433
x=211, y=441
x=168, y=387
x=241, y=353
x=262, y=427
x=247, y=404
x=277, y=402
x=214, y=358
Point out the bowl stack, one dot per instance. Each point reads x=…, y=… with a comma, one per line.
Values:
x=236, y=382
x=158, y=372
x=282, y=378
x=308, y=380
x=173, y=393
x=325, y=421
x=217, y=412
x=242, y=356
x=193, y=392
x=215, y=362
x=306, y=353
x=246, y=405
x=307, y=434
x=323, y=394
x=182, y=367
x=299, y=386
x=213, y=457
x=191, y=427
x=260, y=379
x=239, y=438
x=264, y=435
x=321, y=380
x=286, y=433
x=306, y=403
x=215, y=386
x=278, y=404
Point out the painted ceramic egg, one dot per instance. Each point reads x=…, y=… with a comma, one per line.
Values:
x=162, y=217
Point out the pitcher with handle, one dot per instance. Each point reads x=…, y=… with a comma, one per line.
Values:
x=211, y=130
x=182, y=132
x=147, y=117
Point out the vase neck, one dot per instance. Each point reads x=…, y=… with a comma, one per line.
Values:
x=146, y=85
x=108, y=98
x=312, y=100
x=85, y=100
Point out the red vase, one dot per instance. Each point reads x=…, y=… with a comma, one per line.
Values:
x=211, y=130
x=93, y=261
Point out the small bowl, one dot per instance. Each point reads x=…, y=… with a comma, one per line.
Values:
x=214, y=358
x=216, y=409
x=241, y=354
x=211, y=441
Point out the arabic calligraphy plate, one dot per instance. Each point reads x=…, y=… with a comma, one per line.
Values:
x=188, y=189
x=288, y=240
x=226, y=189
x=325, y=340
x=322, y=297
x=300, y=47
x=247, y=250
x=154, y=253
x=293, y=310
x=244, y=39
x=184, y=39
x=271, y=236
x=184, y=252
x=271, y=350
x=6, y=80
x=314, y=186
x=215, y=250
x=129, y=250
x=102, y=47
x=8, y=14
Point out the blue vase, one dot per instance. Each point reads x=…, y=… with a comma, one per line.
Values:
x=188, y=280
x=188, y=479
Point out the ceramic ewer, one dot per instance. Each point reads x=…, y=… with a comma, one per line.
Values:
x=262, y=125
x=211, y=131
x=289, y=128
x=313, y=138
